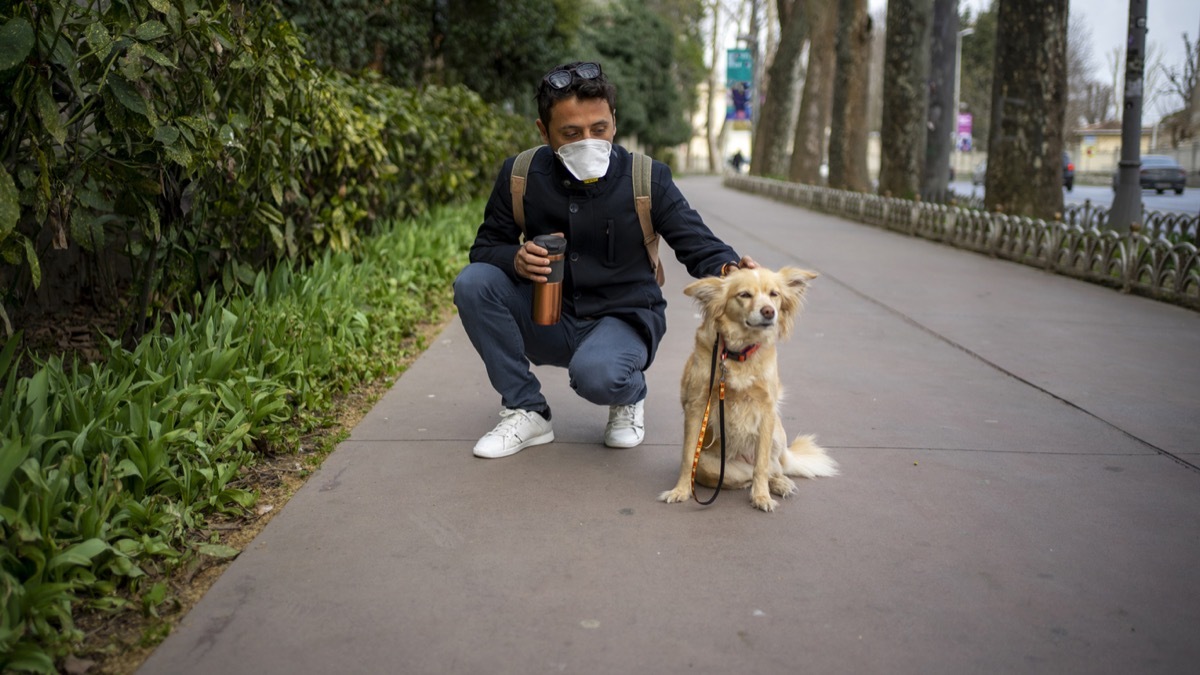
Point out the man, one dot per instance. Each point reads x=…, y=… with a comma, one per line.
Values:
x=738, y=160
x=613, y=317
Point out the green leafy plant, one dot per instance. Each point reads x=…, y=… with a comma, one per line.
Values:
x=110, y=471
x=154, y=146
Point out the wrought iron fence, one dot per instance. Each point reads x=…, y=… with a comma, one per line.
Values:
x=1158, y=260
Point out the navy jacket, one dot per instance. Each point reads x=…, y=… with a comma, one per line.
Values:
x=607, y=271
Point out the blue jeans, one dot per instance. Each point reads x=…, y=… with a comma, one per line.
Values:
x=604, y=357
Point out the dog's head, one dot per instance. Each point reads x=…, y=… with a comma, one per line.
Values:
x=752, y=305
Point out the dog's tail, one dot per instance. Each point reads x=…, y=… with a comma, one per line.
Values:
x=807, y=459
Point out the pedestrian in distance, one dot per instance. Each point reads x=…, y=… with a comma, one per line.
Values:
x=737, y=161
x=581, y=186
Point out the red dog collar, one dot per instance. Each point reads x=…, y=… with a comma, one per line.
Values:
x=738, y=356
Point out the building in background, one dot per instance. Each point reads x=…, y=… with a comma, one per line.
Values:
x=1096, y=148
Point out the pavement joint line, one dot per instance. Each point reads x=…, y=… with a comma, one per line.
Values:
x=1035, y=453
x=920, y=326
x=827, y=446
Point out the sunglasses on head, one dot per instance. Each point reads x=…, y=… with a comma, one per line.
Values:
x=560, y=78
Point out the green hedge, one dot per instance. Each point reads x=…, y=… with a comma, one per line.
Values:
x=148, y=147
x=182, y=159
x=109, y=471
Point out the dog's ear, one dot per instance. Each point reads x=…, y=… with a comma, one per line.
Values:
x=797, y=278
x=708, y=293
x=796, y=281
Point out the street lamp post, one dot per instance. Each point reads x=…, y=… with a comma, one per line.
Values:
x=1127, y=201
x=957, y=94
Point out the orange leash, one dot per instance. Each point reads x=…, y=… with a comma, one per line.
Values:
x=704, y=425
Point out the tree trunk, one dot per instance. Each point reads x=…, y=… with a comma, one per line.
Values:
x=1029, y=96
x=710, y=124
x=942, y=116
x=906, y=66
x=769, y=156
x=848, y=127
x=808, y=146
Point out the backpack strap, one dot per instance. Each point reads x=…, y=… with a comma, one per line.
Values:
x=642, y=166
x=517, y=185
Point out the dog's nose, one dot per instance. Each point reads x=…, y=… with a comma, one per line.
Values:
x=767, y=312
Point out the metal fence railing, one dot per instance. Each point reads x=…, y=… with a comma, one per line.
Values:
x=1158, y=260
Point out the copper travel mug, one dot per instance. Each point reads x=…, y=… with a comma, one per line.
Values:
x=547, y=297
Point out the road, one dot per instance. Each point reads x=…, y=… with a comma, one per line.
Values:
x=1188, y=202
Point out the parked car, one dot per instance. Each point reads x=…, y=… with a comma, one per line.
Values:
x=1068, y=169
x=1159, y=173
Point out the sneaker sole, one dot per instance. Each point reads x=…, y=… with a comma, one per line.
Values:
x=614, y=444
x=547, y=437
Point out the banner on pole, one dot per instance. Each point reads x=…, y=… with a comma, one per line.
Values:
x=739, y=84
x=962, y=139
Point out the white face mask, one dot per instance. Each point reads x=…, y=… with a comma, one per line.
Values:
x=587, y=160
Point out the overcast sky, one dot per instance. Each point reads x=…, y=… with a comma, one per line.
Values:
x=1108, y=20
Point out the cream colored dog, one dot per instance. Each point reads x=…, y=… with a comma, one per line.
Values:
x=750, y=310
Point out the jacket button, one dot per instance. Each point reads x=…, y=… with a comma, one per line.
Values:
x=574, y=257
x=574, y=208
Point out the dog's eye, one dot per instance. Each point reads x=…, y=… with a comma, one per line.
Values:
x=745, y=294
x=774, y=294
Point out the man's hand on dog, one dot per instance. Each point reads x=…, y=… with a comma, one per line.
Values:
x=746, y=263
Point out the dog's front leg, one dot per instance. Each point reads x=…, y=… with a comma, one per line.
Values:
x=683, y=487
x=781, y=485
x=760, y=492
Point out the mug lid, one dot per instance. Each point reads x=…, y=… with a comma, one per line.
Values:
x=553, y=243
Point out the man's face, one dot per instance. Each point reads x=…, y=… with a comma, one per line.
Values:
x=572, y=119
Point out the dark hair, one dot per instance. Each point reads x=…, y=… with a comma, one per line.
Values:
x=597, y=87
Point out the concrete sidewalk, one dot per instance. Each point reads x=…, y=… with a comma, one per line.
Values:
x=1019, y=493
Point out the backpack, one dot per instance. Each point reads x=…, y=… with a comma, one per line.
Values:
x=641, y=201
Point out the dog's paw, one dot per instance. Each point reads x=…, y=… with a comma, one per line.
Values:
x=782, y=486
x=762, y=501
x=679, y=494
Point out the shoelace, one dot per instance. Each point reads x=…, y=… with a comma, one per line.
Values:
x=625, y=416
x=509, y=419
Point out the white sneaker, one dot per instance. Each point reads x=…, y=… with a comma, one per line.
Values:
x=626, y=425
x=518, y=429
